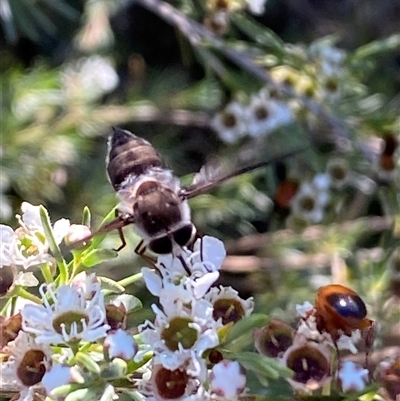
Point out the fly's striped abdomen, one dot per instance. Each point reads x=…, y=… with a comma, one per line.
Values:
x=130, y=155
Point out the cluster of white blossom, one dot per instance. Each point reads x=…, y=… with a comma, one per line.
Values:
x=26, y=249
x=312, y=197
x=186, y=325
x=260, y=116
x=89, y=78
x=42, y=336
x=218, y=14
x=72, y=318
x=310, y=353
x=74, y=338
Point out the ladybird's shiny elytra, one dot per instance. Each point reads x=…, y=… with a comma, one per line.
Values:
x=348, y=305
x=338, y=310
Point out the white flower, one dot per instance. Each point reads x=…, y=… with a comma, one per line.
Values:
x=227, y=305
x=109, y=393
x=349, y=342
x=339, y=172
x=162, y=384
x=266, y=114
x=87, y=283
x=6, y=239
x=256, y=6
x=208, y=255
x=27, y=246
x=68, y=318
x=352, y=376
x=330, y=59
x=231, y=123
x=180, y=334
x=60, y=375
x=311, y=199
x=227, y=380
x=32, y=222
x=120, y=344
x=322, y=181
x=26, y=364
x=304, y=309
x=311, y=363
x=12, y=276
x=77, y=233
x=171, y=282
x=90, y=77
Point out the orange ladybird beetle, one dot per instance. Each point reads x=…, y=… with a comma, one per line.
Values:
x=338, y=310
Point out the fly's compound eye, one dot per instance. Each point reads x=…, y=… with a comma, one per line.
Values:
x=161, y=245
x=184, y=235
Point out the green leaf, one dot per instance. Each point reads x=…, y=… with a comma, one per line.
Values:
x=42, y=20
x=66, y=389
x=116, y=369
x=23, y=20
x=87, y=362
x=376, y=47
x=54, y=248
x=83, y=394
x=48, y=231
x=111, y=285
x=259, y=33
x=97, y=256
x=98, y=239
x=9, y=28
x=62, y=8
x=244, y=326
x=262, y=365
x=131, y=303
x=86, y=216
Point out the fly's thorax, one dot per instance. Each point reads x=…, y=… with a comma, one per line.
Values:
x=129, y=155
x=155, y=179
x=158, y=209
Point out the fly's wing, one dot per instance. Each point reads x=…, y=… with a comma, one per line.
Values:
x=214, y=173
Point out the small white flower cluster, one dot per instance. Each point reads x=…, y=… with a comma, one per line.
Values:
x=186, y=326
x=73, y=338
x=309, y=352
x=89, y=78
x=329, y=58
x=313, y=196
x=323, y=75
x=256, y=7
x=218, y=14
x=262, y=115
x=26, y=248
x=311, y=199
x=71, y=316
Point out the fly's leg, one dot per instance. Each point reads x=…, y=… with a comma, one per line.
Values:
x=141, y=249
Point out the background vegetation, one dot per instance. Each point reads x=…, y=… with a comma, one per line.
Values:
x=70, y=70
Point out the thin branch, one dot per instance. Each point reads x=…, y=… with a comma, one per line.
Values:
x=253, y=244
x=199, y=36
